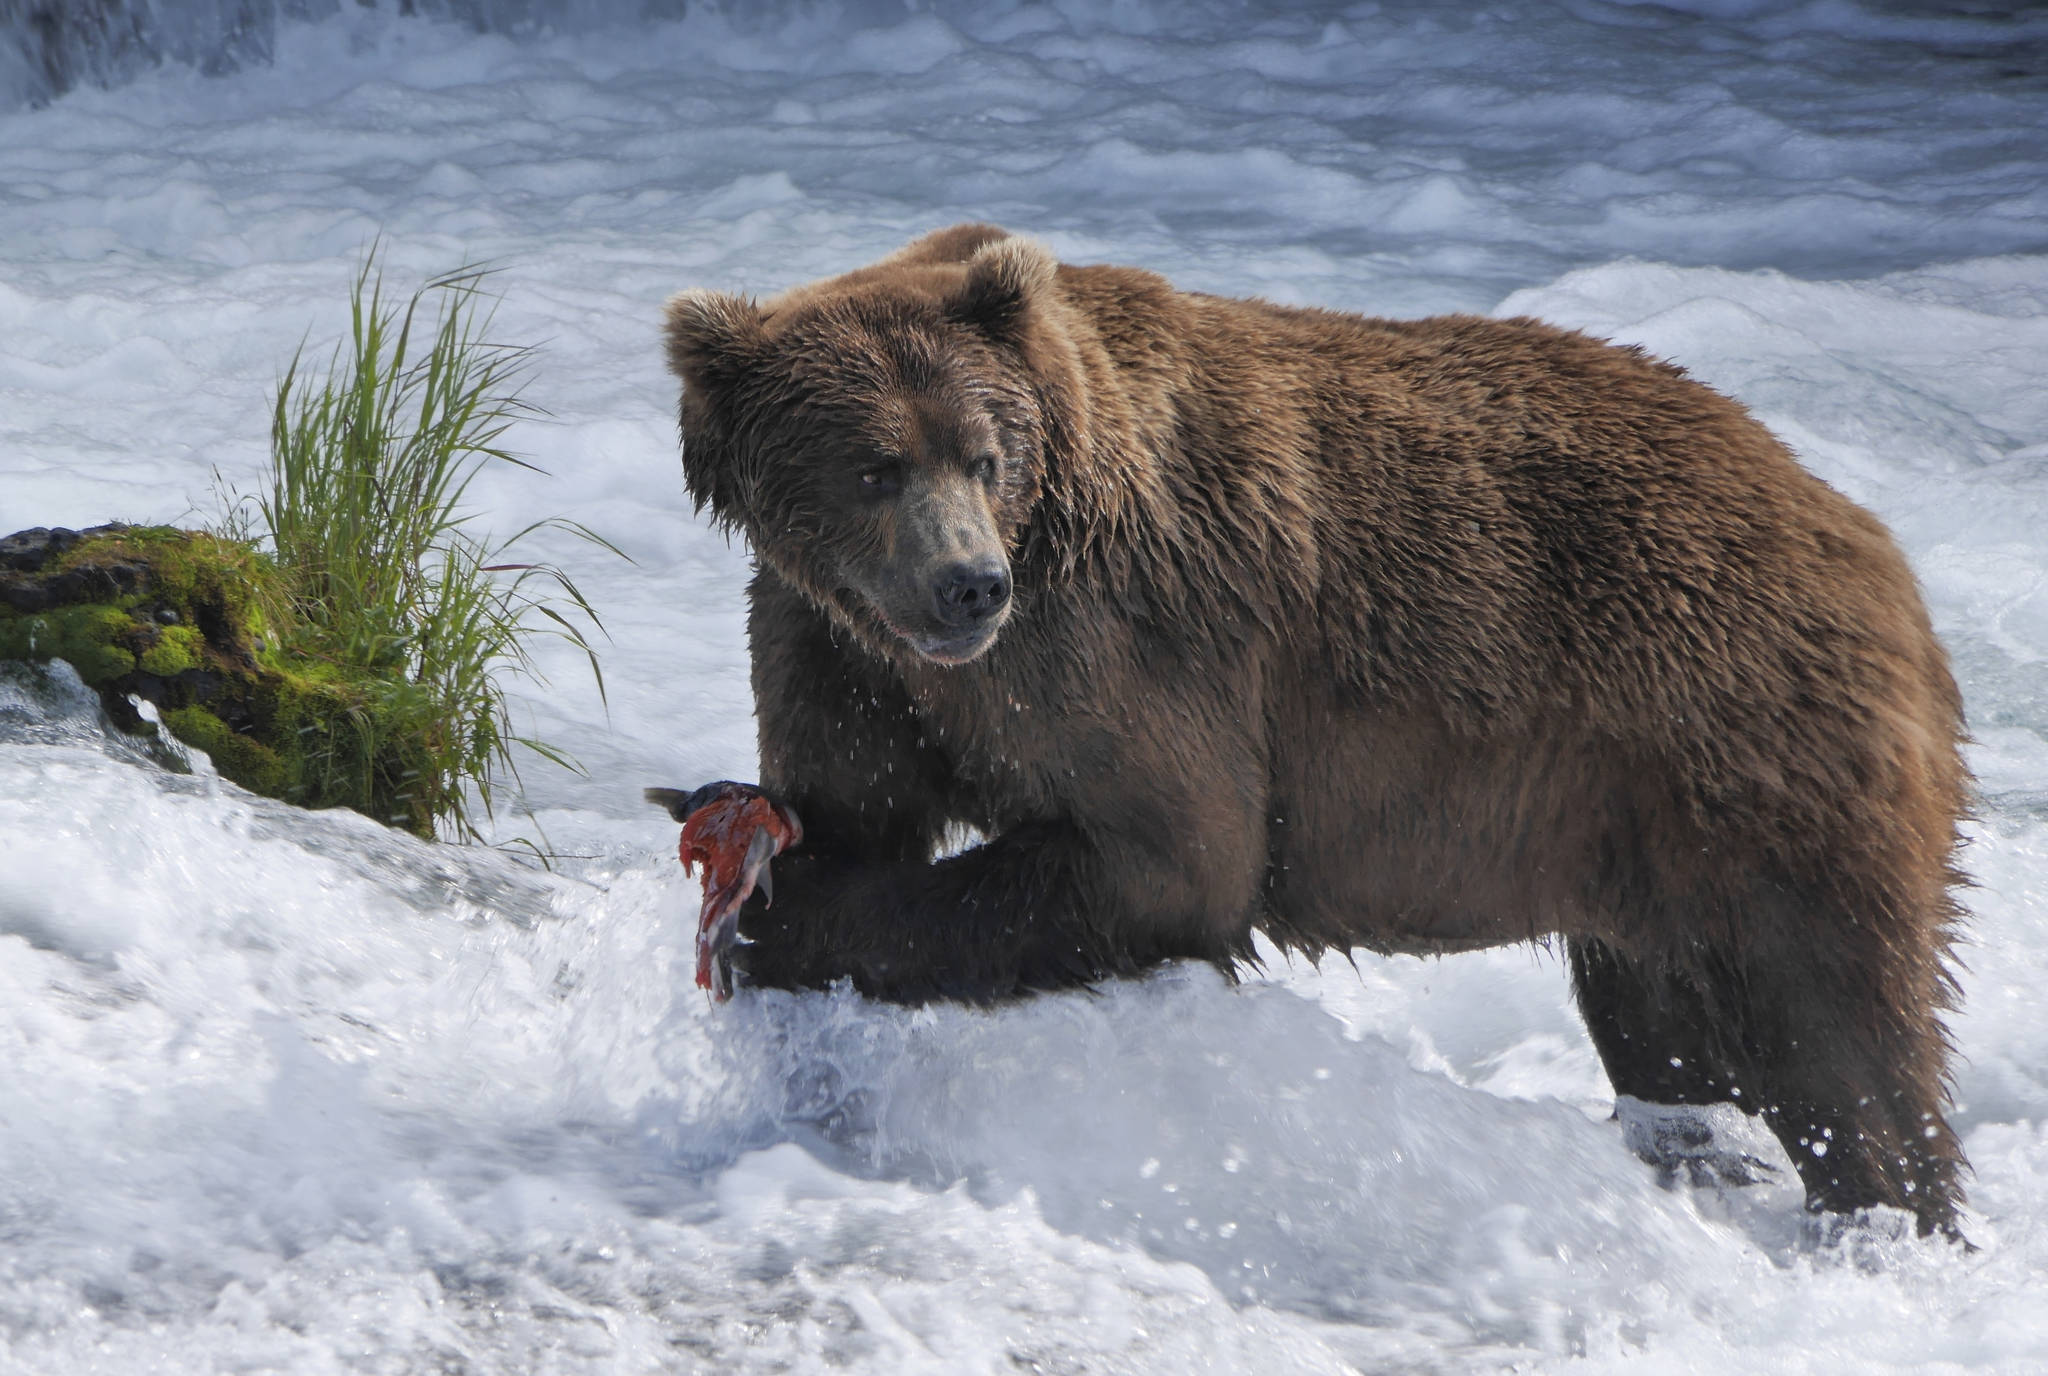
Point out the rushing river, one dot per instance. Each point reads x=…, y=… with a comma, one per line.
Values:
x=288, y=1092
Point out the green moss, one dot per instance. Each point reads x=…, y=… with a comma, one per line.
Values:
x=220, y=582
x=177, y=649
x=86, y=637
x=244, y=759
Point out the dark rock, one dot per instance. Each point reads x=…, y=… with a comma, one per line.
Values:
x=122, y=579
x=26, y=590
x=28, y=550
x=122, y=713
x=203, y=684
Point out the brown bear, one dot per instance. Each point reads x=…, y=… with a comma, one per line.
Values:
x=1212, y=615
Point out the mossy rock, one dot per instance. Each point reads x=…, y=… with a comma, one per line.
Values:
x=193, y=624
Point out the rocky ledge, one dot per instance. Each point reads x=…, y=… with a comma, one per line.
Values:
x=183, y=620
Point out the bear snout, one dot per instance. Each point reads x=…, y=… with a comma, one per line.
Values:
x=965, y=594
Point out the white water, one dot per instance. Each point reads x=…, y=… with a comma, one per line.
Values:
x=290, y=1093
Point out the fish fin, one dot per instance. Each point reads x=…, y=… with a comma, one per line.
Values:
x=760, y=851
x=673, y=799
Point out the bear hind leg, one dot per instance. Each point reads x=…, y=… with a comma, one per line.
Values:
x=1846, y=1057
x=1841, y=1053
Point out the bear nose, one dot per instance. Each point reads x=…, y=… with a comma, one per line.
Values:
x=966, y=593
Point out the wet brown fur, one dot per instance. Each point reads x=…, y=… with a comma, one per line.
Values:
x=1412, y=635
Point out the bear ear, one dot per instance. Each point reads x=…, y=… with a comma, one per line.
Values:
x=714, y=340
x=1003, y=278
x=954, y=245
x=711, y=335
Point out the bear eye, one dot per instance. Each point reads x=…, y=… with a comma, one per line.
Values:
x=982, y=467
x=883, y=480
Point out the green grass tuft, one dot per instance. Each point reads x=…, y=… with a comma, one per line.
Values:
x=387, y=576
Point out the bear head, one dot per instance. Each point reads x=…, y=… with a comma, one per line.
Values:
x=877, y=437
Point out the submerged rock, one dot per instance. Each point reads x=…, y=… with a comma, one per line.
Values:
x=192, y=624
